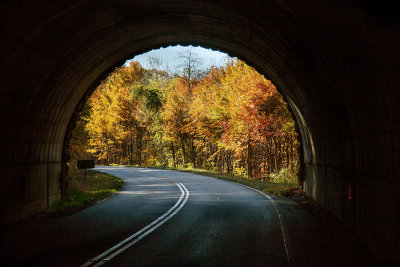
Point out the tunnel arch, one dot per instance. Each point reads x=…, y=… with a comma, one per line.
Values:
x=335, y=64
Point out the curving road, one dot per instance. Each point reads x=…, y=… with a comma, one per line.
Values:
x=160, y=218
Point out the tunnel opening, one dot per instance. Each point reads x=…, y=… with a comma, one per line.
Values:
x=217, y=137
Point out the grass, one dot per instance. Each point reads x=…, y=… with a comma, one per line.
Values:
x=278, y=189
x=84, y=192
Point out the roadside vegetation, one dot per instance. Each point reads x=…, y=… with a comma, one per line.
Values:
x=282, y=186
x=84, y=192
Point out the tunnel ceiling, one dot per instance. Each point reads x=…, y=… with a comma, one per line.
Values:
x=336, y=62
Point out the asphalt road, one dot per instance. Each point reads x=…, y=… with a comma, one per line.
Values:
x=191, y=220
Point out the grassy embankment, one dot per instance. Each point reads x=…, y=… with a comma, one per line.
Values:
x=276, y=188
x=82, y=193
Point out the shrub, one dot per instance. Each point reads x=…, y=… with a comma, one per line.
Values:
x=285, y=176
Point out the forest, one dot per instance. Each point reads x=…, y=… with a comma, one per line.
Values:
x=227, y=119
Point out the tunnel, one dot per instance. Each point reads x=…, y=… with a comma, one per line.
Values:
x=335, y=62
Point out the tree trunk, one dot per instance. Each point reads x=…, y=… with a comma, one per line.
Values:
x=249, y=158
x=183, y=150
x=173, y=153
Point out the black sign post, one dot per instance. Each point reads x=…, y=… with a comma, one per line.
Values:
x=85, y=164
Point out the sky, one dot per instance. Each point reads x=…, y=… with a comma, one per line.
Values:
x=169, y=57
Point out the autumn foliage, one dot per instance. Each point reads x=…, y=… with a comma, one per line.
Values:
x=229, y=119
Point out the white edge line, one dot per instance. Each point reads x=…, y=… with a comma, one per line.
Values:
x=283, y=228
x=98, y=202
x=285, y=235
x=100, y=257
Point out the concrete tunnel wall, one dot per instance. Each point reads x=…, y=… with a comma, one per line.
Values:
x=336, y=63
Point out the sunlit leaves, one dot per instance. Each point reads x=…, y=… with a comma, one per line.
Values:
x=230, y=119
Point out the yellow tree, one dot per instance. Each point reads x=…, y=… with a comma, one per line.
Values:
x=209, y=118
x=176, y=118
x=112, y=125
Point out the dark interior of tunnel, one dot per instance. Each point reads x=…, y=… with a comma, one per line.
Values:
x=336, y=63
